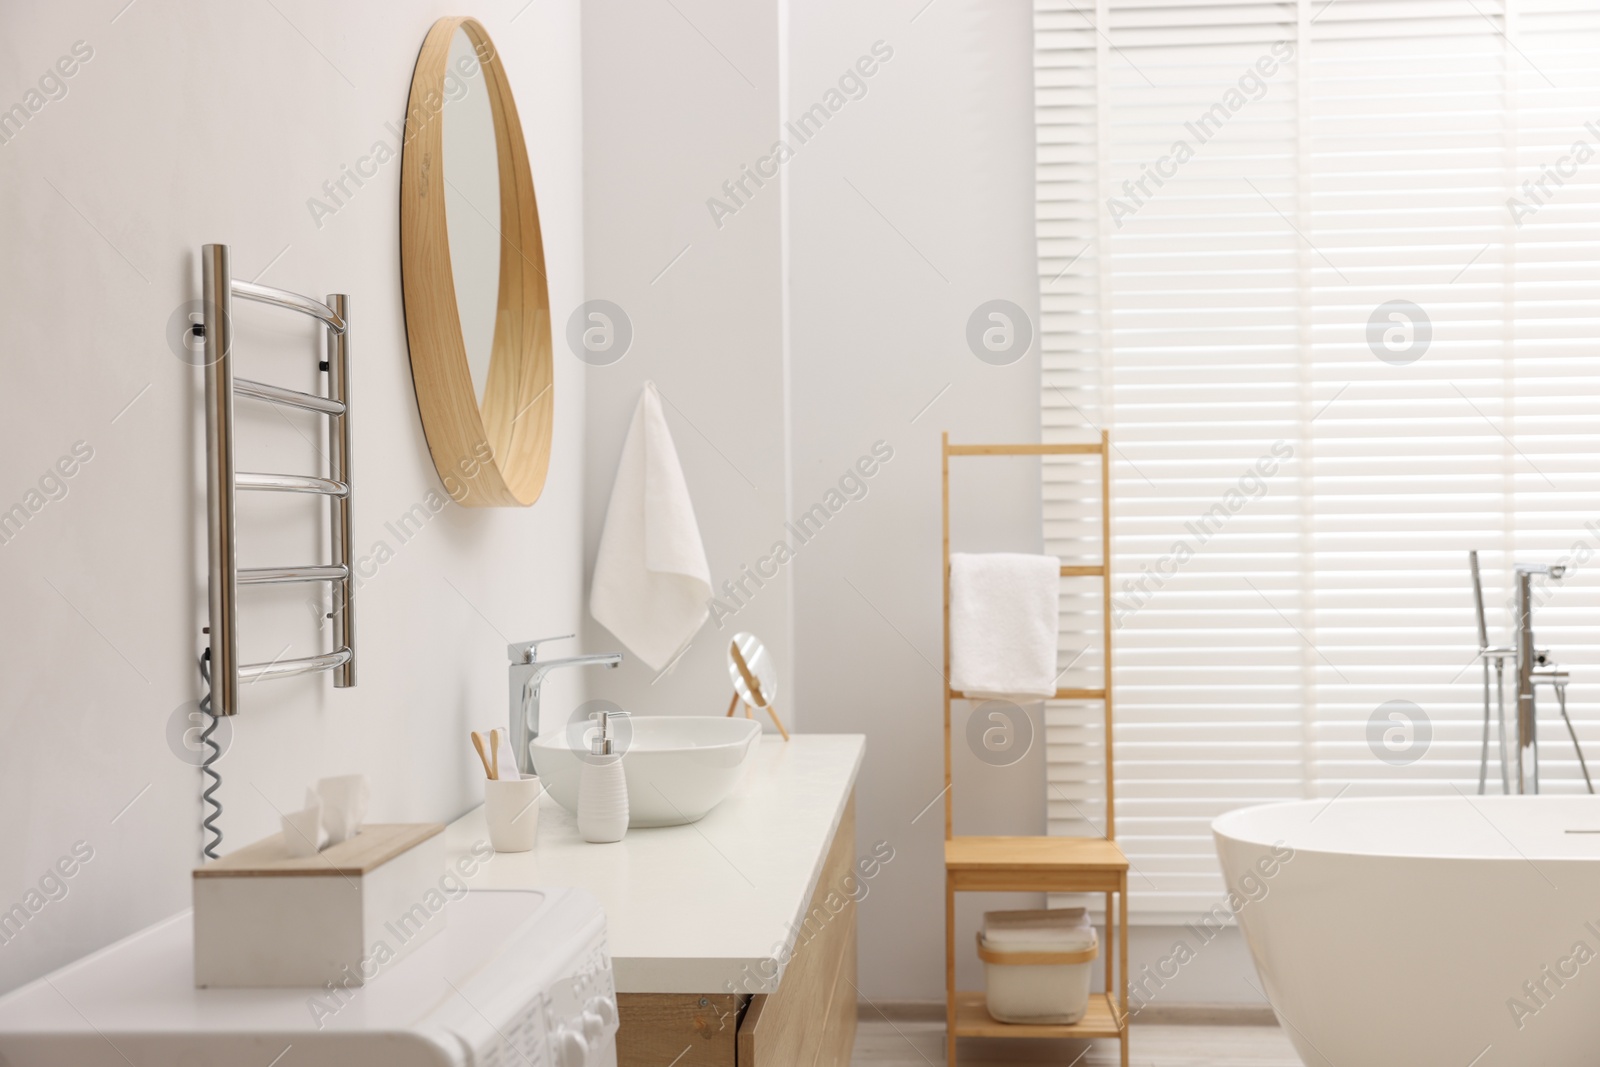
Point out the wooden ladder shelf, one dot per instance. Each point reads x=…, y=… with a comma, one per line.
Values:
x=1039, y=864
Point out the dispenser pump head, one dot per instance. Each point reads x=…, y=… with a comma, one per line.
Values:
x=602, y=743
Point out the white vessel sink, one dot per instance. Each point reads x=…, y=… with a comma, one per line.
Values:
x=678, y=767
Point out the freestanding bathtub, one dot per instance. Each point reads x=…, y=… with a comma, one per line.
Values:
x=1414, y=932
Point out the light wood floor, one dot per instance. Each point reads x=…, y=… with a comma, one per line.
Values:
x=880, y=1043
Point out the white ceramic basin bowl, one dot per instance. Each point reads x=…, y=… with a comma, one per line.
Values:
x=678, y=767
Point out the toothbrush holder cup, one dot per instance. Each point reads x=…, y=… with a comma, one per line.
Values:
x=511, y=808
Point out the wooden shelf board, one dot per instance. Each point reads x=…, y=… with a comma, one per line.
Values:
x=1034, y=853
x=973, y=1020
x=1035, y=864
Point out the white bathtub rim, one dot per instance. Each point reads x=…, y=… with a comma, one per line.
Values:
x=1240, y=827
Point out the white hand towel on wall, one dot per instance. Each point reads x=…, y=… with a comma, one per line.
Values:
x=1004, y=624
x=651, y=579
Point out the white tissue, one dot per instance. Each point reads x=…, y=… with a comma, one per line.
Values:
x=335, y=809
x=303, y=834
x=344, y=805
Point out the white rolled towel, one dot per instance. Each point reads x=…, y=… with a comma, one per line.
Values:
x=651, y=579
x=1005, y=623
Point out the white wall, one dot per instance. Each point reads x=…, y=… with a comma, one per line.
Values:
x=196, y=122
x=677, y=97
x=914, y=206
x=676, y=103
x=911, y=208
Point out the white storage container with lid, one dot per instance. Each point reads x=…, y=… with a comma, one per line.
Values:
x=1037, y=964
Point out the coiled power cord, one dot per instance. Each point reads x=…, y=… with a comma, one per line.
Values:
x=208, y=795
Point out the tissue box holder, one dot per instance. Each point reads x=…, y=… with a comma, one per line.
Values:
x=264, y=918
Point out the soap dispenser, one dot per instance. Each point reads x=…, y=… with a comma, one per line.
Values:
x=602, y=789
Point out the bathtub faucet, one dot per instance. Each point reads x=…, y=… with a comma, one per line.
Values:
x=1534, y=667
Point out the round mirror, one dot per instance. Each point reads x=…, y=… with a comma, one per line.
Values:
x=750, y=667
x=472, y=272
x=472, y=203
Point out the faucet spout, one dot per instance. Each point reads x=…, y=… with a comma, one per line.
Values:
x=526, y=679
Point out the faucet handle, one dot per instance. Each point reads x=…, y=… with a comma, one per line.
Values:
x=528, y=651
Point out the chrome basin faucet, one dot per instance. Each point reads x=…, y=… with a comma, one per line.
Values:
x=527, y=676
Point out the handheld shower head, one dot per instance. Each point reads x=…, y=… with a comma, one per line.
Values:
x=1477, y=597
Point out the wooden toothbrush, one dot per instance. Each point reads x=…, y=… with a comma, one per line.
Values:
x=494, y=751
x=477, y=743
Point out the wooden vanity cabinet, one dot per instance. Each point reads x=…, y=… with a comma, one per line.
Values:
x=809, y=1022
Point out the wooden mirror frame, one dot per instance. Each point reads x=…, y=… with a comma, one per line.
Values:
x=496, y=455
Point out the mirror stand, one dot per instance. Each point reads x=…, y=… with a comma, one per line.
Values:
x=752, y=685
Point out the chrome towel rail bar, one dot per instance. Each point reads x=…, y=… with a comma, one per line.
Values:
x=290, y=397
x=222, y=481
x=286, y=668
x=277, y=575
x=290, y=483
x=266, y=294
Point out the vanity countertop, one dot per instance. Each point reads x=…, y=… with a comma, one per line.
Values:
x=690, y=908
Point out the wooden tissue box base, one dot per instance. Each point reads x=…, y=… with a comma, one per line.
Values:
x=265, y=918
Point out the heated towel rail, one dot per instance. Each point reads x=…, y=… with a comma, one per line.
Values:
x=220, y=289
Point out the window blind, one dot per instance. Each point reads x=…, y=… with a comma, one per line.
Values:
x=1327, y=270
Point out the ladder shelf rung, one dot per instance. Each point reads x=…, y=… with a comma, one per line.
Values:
x=1026, y=450
x=1061, y=694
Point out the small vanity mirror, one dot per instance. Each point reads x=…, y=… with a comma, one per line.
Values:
x=472, y=272
x=750, y=667
x=754, y=677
